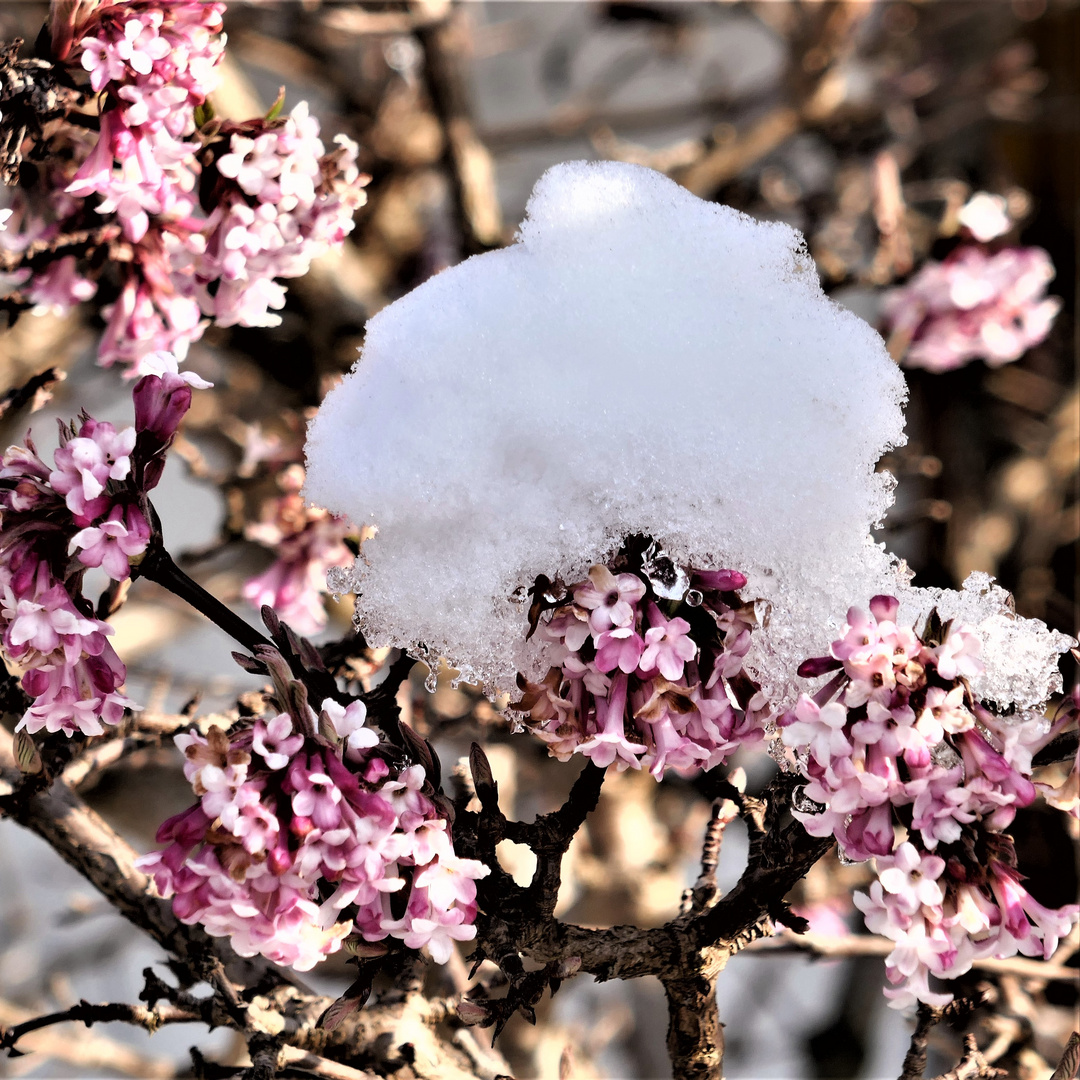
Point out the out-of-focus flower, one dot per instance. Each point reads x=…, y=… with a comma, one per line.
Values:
x=985, y=216
x=308, y=542
x=974, y=305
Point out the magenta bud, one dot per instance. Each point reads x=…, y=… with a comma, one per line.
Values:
x=818, y=665
x=884, y=608
x=719, y=580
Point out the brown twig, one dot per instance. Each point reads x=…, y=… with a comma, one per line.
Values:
x=1069, y=1065
x=831, y=948
x=83, y=840
x=471, y=170
x=107, y=1013
x=973, y=1065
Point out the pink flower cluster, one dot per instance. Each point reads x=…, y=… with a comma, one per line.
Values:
x=907, y=767
x=977, y=304
x=308, y=542
x=86, y=512
x=281, y=201
x=645, y=674
x=207, y=217
x=300, y=840
x=944, y=914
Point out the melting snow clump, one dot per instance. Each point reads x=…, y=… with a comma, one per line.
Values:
x=639, y=361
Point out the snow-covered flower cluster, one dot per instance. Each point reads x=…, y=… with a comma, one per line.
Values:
x=88, y=510
x=908, y=767
x=979, y=303
x=647, y=661
x=205, y=215
x=309, y=829
x=307, y=541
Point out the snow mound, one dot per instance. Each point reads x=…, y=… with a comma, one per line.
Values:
x=639, y=361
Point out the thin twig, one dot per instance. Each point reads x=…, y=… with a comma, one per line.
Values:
x=831, y=948
x=105, y=1013
x=973, y=1065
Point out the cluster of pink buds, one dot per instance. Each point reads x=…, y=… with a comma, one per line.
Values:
x=87, y=511
x=647, y=667
x=310, y=832
x=906, y=766
x=199, y=217
x=308, y=542
x=977, y=304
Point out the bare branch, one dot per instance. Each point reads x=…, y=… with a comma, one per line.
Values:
x=107, y=1013
x=973, y=1065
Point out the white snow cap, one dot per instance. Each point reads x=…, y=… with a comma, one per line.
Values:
x=639, y=361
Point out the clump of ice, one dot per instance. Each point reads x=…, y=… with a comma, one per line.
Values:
x=1020, y=655
x=639, y=361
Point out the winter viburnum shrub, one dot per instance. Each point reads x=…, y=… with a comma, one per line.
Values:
x=646, y=479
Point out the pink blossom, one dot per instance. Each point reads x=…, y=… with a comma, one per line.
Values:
x=820, y=729
x=58, y=287
x=610, y=743
x=275, y=741
x=114, y=542
x=348, y=722
x=619, y=648
x=912, y=878
x=84, y=465
x=315, y=795
x=667, y=645
x=974, y=305
x=257, y=872
x=610, y=599
x=958, y=655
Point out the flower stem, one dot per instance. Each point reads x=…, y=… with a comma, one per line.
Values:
x=157, y=565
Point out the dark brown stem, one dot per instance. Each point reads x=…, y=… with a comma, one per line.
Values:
x=915, y=1059
x=158, y=566
x=105, y=1013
